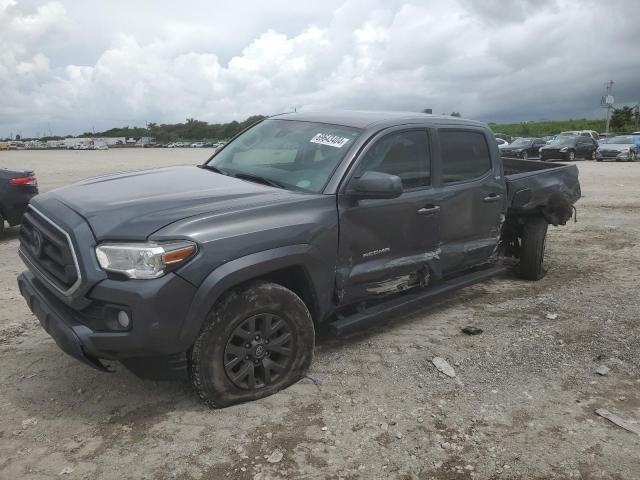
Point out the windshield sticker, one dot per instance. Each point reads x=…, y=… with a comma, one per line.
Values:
x=331, y=140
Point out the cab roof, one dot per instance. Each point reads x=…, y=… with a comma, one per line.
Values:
x=368, y=119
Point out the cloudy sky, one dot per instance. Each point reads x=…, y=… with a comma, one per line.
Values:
x=70, y=66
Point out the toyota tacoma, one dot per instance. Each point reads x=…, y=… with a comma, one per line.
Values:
x=227, y=270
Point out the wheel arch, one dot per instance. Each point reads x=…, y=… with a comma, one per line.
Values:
x=294, y=267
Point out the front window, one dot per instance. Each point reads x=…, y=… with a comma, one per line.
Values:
x=296, y=155
x=521, y=143
x=563, y=141
x=405, y=154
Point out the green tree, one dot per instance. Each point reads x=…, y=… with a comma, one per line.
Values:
x=455, y=114
x=622, y=119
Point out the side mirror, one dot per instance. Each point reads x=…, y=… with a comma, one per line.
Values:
x=376, y=185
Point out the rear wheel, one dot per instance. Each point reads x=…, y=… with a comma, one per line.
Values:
x=571, y=155
x=591, y=156
x=1, y=225
x=534, y=235
x=259, y=339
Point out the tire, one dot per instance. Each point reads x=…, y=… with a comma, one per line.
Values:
x=221, y=366
x=633, y=157
x=591, y=156
x=571, y=155
x=1, y=225
x=525, y=155
x=534, y=234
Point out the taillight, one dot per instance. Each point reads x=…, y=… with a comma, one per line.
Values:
x=24, y=181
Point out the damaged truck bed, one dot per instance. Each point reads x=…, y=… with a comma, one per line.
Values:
x=541, y=187
x=304, y=220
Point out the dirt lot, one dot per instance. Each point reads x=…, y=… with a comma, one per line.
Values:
x=522, y=404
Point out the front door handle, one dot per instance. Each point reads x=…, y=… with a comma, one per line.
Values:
x=494, y=197
x=429, y=210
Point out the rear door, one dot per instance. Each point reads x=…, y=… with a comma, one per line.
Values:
x=472, y=196
x=389, y=245
x=535, y=148
x=584, y=146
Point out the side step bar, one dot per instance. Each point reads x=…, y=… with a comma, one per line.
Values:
x=347, y=324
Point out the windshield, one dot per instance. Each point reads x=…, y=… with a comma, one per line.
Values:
x=621, y=139
x=521, y=142
x=564, y=140
x=296, y=155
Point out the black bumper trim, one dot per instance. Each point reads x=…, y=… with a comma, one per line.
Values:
x=55, y=323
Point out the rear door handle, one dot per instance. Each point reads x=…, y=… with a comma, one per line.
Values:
x=494, y=197
x=429, y=210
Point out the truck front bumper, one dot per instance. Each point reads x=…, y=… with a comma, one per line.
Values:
x=157, y=308
x=56, y=322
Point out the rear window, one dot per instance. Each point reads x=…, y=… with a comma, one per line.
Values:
x=465, y=155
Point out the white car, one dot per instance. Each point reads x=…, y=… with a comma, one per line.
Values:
x=501, y=142
x=197, y=145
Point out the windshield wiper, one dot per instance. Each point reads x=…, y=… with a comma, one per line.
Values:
x=258, y=179
x=213, y=168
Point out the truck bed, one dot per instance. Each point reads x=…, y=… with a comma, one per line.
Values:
x=547, y=188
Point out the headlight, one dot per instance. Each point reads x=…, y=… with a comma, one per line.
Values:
x=143, y=260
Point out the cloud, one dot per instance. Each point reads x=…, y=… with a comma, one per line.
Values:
x=526, y=60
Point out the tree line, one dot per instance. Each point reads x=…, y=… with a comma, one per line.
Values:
x=191, y=129
x=624, y=119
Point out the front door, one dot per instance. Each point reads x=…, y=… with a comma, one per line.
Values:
x=390, y=245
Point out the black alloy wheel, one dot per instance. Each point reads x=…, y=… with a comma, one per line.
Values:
x=258, y=351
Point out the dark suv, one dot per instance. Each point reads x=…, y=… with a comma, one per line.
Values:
x=570, y=147
x=303, y=221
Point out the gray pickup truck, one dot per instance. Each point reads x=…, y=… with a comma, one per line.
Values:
x=301, y=222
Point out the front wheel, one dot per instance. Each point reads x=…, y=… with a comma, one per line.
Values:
x=1, y=225
x=633, y=157
x=258, y=340
x=525, y=156
x=534, y=236
x=571, y=155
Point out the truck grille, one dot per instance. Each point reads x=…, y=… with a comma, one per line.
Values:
x=48, y=249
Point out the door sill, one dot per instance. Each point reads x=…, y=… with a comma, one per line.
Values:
x=347, y=324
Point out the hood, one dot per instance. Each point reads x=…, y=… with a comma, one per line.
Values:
x=132, y=206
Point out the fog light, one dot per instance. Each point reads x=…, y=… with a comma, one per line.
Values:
x=123, y=319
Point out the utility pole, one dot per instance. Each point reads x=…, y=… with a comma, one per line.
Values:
x=607, y=101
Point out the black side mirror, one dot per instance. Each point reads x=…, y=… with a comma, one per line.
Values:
x=376, y=185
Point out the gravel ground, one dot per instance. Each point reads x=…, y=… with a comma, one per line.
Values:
x=521, y=405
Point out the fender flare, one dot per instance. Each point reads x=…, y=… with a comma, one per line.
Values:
x=239, y=271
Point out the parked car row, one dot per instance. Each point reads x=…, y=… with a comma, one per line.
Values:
x=572, y=145
x=200, y=144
